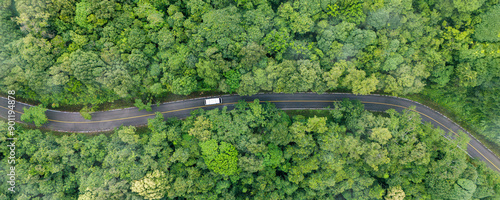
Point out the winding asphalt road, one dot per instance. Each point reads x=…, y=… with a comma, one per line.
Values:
x=108, y=120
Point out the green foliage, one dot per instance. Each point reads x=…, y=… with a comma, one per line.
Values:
x=35, y=115
x=82, y=11
x=86, y=112
x=221, y=26
x=311, y=76
x=152, y=186
x=221, y=158
x=358, y=82
x=127, y=134
x=381, y=135
x=201, y=129
x=395, y=193
x=276, y=41
x=299, y=22
x=87, y=66
x=153, y=16
x=274, y=157
x=463, y=189
x=33, y=15
x=378, y=19
x=350, y=10
x=489, y=28
x=184, y=85
x=90, y=52
x=251, y=55
x=392, y=62
x=141, y=106
x=467, y=5
x=233, y=79
x=332, y=77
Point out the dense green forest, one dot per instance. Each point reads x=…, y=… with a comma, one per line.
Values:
x=88, y=52
x=254, y=151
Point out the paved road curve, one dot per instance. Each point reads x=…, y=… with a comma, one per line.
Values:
x=107, y=120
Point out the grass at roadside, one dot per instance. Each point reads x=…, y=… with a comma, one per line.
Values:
x=450, y=114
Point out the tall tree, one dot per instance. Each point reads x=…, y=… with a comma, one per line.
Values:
x=488, y=29
x=35, y=115
x=221, y=158
x=152, y=186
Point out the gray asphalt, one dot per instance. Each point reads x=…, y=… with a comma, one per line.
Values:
x=108, y=120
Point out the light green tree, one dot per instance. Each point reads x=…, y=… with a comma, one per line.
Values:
x=128, y=135
x=86, y=112
x=358, y=82
x=332, y=77
x=141, y=106
x=467, y=5
x=489, y=28
x=222, y=159
x=201, y=129
x=375, y=155
x=381, y=135
x=153, y=186
x=316, y=124
x=273, y=157
x=395, y=193
x=35, y=114
x=349, y=10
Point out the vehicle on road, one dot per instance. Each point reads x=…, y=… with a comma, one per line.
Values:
x=213, y=101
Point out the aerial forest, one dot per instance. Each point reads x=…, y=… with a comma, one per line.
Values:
x=90, y=52
x=252, y=151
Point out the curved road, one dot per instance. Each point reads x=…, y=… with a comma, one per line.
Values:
x=108, y=120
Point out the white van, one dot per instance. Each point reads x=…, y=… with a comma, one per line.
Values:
x=213, y=101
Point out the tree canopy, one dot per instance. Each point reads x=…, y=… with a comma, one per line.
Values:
x=35, y=115
x=76, y=53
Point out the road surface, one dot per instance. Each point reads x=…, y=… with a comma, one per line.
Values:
x=108, y=120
